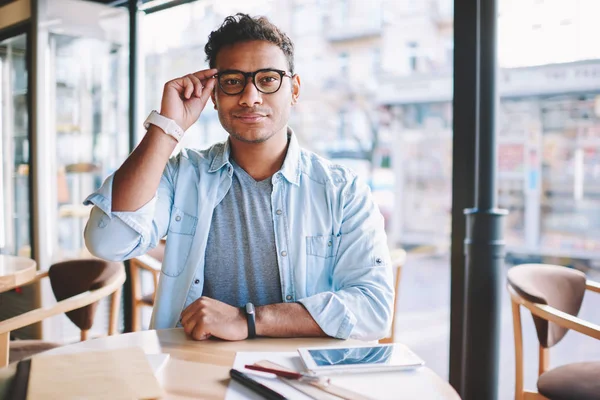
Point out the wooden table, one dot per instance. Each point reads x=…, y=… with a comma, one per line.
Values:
x=15, y=271
x=200, y=370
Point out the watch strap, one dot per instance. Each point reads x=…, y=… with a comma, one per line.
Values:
x=167, y=125
x=249, y=310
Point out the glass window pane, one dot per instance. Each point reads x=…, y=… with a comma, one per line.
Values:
x=570, y=201
x=82, y=114
x=89, y=79
x=14, y=149
x=548, y=140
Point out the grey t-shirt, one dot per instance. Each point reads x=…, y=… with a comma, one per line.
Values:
x=241, y=257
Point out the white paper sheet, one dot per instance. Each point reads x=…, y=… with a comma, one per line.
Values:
x=157, y=361
x=236, y=391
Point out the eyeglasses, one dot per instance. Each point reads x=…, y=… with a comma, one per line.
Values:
x=266, y=81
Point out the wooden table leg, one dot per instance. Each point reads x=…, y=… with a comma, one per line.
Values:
x=4, y=348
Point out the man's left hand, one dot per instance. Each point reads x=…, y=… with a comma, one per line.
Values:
x=208, y=317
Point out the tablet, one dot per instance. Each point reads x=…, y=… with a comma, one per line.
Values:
x=380, y=357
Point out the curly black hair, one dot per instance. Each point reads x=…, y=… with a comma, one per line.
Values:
x=241, y=28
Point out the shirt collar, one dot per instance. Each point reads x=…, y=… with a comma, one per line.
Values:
x=222, y=157
x=291, y=165
x=290, y=168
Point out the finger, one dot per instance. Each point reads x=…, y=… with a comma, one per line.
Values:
x=209, y=85
x=189, y=326
x=189, y=87
x=205, y=82
x=200, y=102
x=188, y=313
x=198, y=86
x=205, y=74
x=191, y=310
x=199, y=333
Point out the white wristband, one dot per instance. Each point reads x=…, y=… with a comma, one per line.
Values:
x=167, y=125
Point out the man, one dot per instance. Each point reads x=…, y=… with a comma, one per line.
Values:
x=255, y=222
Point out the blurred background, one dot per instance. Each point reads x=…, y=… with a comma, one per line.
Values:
x=377, y=84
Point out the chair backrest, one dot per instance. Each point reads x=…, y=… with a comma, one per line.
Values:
x=398, y=257
x=71, y=278
x=559, y=287
x=151, y=261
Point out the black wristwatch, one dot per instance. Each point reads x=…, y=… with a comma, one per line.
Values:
x=251, y=318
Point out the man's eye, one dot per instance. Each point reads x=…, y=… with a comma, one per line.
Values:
x=268, y=79
x=232, y=82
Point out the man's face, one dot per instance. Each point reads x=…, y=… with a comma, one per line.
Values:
x=252, y=116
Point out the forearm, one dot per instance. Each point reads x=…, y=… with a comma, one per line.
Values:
x=286, y=320
x=136, y=181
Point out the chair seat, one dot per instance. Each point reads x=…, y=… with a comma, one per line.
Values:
x=577, y=381
x=148, y=299
x=21, y=349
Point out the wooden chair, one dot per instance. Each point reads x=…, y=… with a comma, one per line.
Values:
x=151, y=262
x=78, y=285
x=398, y=257
x=553, y=294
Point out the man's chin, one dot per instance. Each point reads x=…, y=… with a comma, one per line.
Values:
x=252, y=136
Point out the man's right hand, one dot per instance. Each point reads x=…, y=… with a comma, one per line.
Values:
x=184, y=98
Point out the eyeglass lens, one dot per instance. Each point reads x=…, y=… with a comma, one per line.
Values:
x=234, y=82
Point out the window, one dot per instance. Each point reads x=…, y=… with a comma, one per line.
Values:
x=376, y=55
x=413, y=56
x=14, y=149
x=344, y=61
x=549, y=165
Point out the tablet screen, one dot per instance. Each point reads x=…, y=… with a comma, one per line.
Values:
x=352, y=356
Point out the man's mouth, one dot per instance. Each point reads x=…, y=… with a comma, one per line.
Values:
x=250, y=117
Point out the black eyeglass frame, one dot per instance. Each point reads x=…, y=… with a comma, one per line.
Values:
x=252, y=75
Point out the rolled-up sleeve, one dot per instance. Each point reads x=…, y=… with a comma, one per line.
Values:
x=361, y=306
x=121, y=235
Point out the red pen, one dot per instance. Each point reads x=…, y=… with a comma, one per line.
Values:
x=289, y=374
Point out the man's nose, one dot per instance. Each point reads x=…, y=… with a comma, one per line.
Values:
x=250, y=96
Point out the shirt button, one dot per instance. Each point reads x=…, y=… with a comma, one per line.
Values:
x=178, y=218
x=279, y=212
x=197, y=281
x=329, y=243
x=284, y=253
x=288, y=297
x=379, y=261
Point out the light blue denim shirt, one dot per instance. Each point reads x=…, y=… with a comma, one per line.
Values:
x=331, y=244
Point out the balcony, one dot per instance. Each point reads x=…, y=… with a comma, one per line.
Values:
x=358, y=26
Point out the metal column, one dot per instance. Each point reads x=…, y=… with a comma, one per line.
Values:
x=132, y=5
x=474, y=368
x=463, y=170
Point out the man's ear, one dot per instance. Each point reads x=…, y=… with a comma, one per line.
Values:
x=213, y=98
x=296, y=83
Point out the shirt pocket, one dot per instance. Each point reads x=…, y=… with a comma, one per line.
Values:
x=324, y=246
x=182, y=227
x=320, y=257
